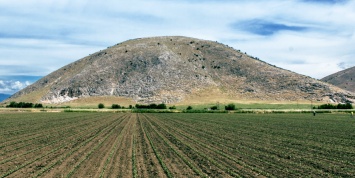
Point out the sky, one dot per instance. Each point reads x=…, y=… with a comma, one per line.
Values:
x=311, y=37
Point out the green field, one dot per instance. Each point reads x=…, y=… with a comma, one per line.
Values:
x=176, y=145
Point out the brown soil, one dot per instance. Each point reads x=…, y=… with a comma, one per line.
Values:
x=147, y=164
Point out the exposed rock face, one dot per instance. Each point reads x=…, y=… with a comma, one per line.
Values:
x=167, y=69
x=344, y=79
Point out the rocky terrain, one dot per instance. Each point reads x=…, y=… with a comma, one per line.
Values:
x=176, y=69
x=344, y=79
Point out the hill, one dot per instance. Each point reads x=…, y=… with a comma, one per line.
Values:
x=175, y=70
x=3, y=96
x=344, y=79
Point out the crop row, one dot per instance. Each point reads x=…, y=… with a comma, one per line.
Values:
x=176, y=145
x=55, y=151
x=248, y=141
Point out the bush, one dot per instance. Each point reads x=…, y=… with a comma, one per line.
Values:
x=189, y=108
x=151, y=106
x=101, y=106
x=230, y=107
x=161, y=106
x=172, y=107
x=116, y=106
x=38, y=105
x=214, y=108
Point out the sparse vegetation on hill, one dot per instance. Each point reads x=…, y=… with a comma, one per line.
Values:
x=173, y=70
x=344, y=79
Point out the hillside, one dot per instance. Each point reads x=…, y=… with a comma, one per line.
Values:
x=344, y=79
x=176, y=70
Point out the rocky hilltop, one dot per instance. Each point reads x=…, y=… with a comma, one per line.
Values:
x=344, y=79
x=177, y=69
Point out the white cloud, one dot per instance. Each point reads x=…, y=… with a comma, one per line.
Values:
x=10, y=87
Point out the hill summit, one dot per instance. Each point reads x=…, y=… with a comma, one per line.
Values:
x=176, y=69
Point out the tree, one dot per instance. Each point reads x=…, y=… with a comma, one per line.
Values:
x=172, y=107
x=12, y=104
x=189, y=108
x=230, y=107
x=101, y=106
x=349, y=106
x=115, y=106
x=38, y=105
x=214, y=108
x=20, y=105
x=339, y=106
x=152, y=106
x=161, y=106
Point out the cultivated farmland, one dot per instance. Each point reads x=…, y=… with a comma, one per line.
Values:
x=176, y=145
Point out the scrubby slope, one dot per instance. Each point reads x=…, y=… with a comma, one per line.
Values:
x=344, y=79
x=173, y=70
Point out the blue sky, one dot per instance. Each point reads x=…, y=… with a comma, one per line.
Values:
x=311, y=37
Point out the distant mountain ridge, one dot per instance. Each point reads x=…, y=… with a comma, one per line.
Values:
x=4, y=97
x=344, y=79
x=176, y=69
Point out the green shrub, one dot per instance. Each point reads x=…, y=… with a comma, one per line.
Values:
x=339, y=106
x=214, y=108
x=116, y=106
x=14, y=104
x=161, y=106
x=189, y=108
x=230, y=107
x=38, y=105
x=151, y=106
x=101, y=106
x=172, y=107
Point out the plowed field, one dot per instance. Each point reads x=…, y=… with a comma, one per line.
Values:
x=176, y=145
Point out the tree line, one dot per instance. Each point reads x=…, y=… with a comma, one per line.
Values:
x=338, y=106
x=151, y=106
x=14, y=104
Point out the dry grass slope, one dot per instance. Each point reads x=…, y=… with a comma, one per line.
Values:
x=344, y=79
